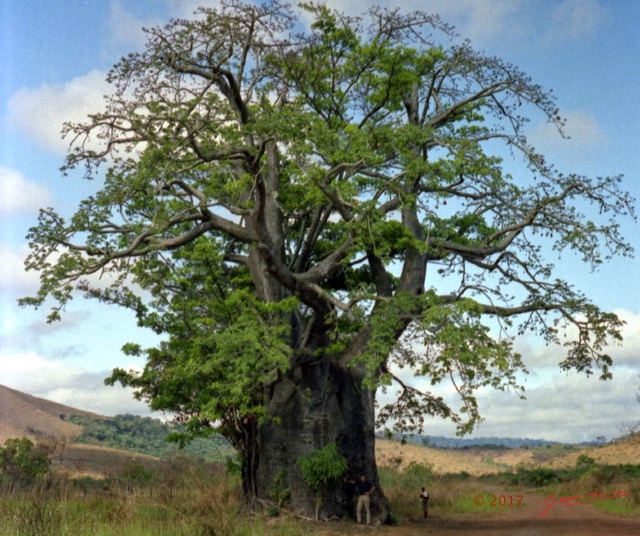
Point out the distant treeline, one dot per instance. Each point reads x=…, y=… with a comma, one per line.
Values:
x=147, y=436
x=484, y=442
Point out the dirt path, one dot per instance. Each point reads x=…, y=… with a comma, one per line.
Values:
x=523, y=520
x=526, y=520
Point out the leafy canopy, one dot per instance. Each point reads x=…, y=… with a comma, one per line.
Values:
x=274, y=193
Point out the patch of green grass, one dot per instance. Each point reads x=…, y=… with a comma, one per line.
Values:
x=486, y=504
x=471, y=505
x=618, y=507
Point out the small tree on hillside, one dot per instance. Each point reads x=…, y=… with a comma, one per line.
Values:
x=301, y=202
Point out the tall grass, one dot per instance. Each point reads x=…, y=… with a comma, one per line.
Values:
x=188, y=498
x=184, y=498
x=448, y=493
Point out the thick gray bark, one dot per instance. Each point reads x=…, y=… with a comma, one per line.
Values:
x=319, y=403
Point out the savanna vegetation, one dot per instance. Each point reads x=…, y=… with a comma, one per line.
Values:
x=184, y=496
x=148, y=436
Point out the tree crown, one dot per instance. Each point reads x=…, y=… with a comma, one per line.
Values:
x=283, y=194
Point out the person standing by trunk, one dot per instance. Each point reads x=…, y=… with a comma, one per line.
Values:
x=424, y=497
x=365, y=489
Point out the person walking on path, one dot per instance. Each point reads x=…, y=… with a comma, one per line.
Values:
x=365, y=489
x=424, y=497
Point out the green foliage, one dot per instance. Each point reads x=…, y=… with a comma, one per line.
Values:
x=281, y=494
x=225, y=343
x=147, y=436
x=322, y=467
x=266, y=203
x=415, y=475
x=537, y=477
x=585, y=462
x=132, y=474
x=586, y=470
x=21, y=462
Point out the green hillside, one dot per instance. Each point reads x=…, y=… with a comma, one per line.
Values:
x=148, y=436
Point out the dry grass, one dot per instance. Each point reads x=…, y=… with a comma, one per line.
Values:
x=78, y=460
x=622, y=451
x=490, y=461
x=450, y=461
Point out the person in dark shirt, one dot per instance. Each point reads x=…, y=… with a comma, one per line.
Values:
x=365, y=489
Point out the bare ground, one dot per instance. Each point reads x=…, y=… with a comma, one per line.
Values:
x=523, y=520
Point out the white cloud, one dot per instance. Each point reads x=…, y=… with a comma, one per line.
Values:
x=14, y=280
x=28, y=369
x=543, y=359
x=583, y=134
x=628, y=351
x=481, y=22
x=186, y=8
x=559, y=406
x=125, y=29
x=19, y=195
x=88, y=392
x=575, y=20
x=566, y=407
x=41, y=112
x=31, y=373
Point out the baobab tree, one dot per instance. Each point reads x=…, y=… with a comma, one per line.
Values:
x=304, y=209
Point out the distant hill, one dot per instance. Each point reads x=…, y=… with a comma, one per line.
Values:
x=92, y=441
x=442, y=442
x=148, y=436
x=499, y=442
x=23, y=415
x=86, y=443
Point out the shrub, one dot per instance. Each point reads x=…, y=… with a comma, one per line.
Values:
x=585, y=462
x=534, y=477
x=415, y=475
x=320, y=468
x=21, y=462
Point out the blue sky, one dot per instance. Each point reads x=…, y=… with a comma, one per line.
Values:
x=53, y=59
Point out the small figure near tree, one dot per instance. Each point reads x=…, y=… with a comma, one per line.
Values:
x=365, y=488
x=424, y=498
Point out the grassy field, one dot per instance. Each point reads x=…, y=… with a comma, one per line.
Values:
x=140, y=497
x=191, y=500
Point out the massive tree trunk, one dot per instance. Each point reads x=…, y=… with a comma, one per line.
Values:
x=319, y=403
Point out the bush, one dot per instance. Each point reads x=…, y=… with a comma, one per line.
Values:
x=320, y=468
x=585, y=462
x=534, y=477
x=415, y=475
x=132, y=475
x=21, y=462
